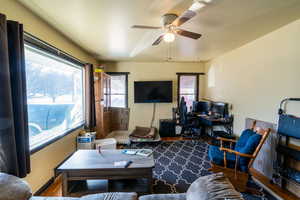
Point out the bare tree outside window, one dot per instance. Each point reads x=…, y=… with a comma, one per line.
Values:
x=54, y=95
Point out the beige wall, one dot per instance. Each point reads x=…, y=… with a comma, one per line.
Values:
x=140, y=114
x=257, y=76
x=37, y=27
x=44, y=161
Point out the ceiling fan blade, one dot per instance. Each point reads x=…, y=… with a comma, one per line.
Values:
x=146, y=41
x=158, y=40
x=145, y=27
x=163, y=6
x=187, y=15
x=188, y=34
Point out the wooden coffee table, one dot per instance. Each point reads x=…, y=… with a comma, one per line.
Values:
x=91, y=165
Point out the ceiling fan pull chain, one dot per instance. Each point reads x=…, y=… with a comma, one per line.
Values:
x=167, y=53
x=170, y=52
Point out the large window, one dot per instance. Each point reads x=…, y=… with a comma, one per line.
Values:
x=188, y=87
x=55, y=89
x=119, y=89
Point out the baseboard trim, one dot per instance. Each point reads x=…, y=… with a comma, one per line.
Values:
x=44, y=187
x=56, y=173
x=51, y=180
x=275, y=190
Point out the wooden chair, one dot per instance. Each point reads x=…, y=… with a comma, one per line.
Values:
x=238, y=177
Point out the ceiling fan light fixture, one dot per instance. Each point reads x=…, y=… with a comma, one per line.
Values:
x=197, y=5
x=169, y=37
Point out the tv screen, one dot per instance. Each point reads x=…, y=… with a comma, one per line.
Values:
x=220, y=109
x=153, y=92
x=202, y=107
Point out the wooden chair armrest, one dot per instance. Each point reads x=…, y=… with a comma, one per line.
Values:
x=226, y=139
x=236, y=152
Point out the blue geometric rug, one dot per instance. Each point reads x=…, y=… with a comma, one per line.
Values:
x=178, y=164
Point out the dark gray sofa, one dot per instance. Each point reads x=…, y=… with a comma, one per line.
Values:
x=53, y=198
x=214, y=186
x=121, y=196
x=102, y=196
x=181, y=196
x=14, y=188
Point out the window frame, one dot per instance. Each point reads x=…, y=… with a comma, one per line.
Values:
x=179, y=75
x=126, y=86
x=40, y=45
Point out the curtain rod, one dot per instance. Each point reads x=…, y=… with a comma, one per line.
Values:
x=52, y=47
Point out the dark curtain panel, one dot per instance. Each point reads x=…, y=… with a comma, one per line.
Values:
x=90, y=113
x=14, y=138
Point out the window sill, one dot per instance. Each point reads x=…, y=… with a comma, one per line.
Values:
x=53, y=140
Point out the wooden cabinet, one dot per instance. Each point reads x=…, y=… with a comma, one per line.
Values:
x=102, y=83
x=119, y=118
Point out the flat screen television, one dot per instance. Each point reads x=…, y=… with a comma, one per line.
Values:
x=202, y=107
x=153, y=92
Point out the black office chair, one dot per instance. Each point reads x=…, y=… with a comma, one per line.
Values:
x=189, y=124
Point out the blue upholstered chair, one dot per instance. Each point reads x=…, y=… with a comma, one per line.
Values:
x=236, y=161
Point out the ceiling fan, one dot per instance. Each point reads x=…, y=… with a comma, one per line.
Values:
x=172, y=22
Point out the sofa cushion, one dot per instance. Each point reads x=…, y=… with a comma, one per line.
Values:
x=249, y=148
x=111, y=196
x=214, y=186
x=53, y=198
x=13, y=188
x=246, y=134
x=217, y=156
x=251, y=144
x=181, y=196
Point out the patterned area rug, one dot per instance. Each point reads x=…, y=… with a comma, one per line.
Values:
x=180, y=163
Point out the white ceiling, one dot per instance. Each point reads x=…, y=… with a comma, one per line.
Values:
x=102, y=27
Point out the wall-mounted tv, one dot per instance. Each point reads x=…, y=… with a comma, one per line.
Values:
x=153, y=92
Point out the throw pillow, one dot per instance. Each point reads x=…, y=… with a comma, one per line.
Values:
x=246, y=134
x=214, y=186
x=13, y=188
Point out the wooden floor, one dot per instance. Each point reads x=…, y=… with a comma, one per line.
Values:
x=276, y=189
x=55, y=189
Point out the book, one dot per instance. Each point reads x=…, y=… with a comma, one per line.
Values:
x=130, y=152
x=140, y=152
x=123, y=163
x=144, y=152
